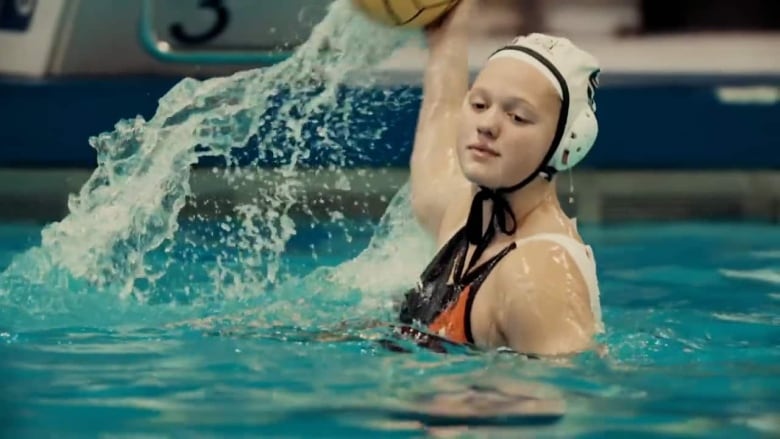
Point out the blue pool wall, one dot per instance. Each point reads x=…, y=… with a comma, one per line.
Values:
x=673, y=124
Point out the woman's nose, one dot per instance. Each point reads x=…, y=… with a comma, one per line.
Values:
x=488, y=125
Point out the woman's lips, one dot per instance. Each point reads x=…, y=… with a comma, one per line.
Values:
x=483, y=149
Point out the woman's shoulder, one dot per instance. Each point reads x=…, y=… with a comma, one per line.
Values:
x=551, y=221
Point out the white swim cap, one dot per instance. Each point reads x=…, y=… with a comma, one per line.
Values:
x=575, y=75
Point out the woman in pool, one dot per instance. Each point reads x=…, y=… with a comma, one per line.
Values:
x=511, y=270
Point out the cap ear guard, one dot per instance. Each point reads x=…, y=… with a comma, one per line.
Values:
x=577, y=141
x=580, y=135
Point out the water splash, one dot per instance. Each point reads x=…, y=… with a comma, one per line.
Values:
x=129, y=207
x=397, y=234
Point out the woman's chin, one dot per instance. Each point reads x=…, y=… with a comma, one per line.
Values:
x=480, y=176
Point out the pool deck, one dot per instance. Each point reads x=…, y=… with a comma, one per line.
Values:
x=675, y=58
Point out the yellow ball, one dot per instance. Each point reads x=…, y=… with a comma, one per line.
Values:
x=404, y=13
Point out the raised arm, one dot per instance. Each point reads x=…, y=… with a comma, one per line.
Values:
x=435, y=177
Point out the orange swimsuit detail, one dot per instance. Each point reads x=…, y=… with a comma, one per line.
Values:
x=451, y=323
x=444, y=308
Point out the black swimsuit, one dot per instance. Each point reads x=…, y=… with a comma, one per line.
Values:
x=445, y=308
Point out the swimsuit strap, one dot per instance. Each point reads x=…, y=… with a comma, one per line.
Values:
x=477, y=276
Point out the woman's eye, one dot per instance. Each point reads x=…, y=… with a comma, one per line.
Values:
x=518, y=119
x=478, y=105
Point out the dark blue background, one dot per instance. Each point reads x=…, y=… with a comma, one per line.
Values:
x=662, y=125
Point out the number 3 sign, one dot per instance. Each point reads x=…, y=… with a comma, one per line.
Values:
x=221, y=21
x=15, y=15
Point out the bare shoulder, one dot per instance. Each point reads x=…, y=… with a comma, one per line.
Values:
x=542, y=300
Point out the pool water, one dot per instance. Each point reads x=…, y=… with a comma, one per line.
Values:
x=690, y=309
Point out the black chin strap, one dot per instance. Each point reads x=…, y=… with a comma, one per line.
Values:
x=501, y=210
x=501, y=216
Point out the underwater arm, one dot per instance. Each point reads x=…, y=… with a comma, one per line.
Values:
x=435, y=177
x=544, y=305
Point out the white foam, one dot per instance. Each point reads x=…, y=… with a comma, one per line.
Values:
x=767, y=275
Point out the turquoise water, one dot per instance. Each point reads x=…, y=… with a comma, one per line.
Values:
x=691, y=312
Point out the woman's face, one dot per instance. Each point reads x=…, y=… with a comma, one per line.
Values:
x=507, y=125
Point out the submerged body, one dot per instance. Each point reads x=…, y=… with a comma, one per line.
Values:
x=512, y=270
